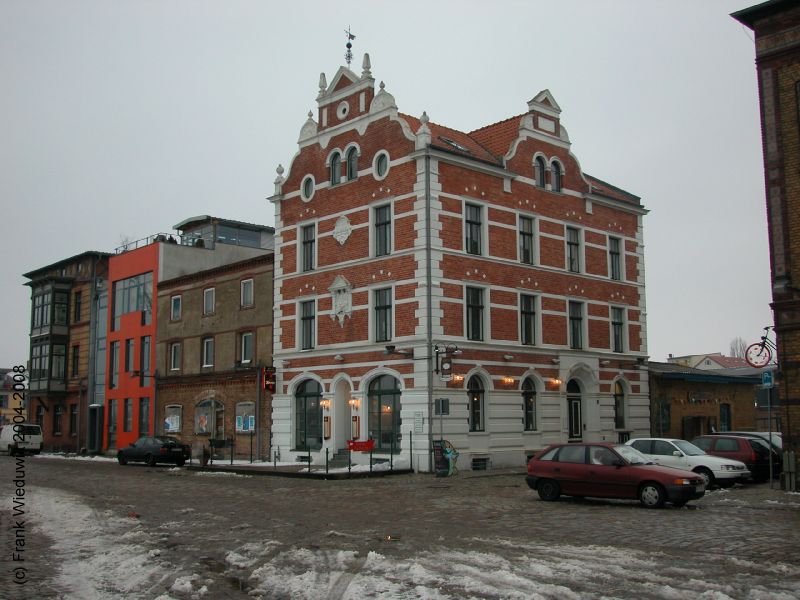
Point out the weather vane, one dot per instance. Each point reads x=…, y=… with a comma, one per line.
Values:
x=348, y=56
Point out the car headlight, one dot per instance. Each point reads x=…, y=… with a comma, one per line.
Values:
x=727, y=467
x=681, y=482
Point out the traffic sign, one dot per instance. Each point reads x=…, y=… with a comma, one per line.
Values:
x=766, y=378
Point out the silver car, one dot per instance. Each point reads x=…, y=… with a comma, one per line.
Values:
x=681, y=454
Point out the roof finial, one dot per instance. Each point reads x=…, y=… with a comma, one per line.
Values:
x=323, y=83
x=348, y=56
x=366, y=65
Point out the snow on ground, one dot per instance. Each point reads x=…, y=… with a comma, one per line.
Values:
x=96, y=458
x=98, y=554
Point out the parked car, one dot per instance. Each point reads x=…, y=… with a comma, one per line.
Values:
x=152, y=450
x=776, y=441
x=753, y=452
x=681, y=454
x=606, y=470
x=20, y=438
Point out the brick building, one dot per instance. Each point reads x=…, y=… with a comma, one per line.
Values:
x=135, y=271
x=211, y=352
x=776, y=25
x=415, y=262
x=67, y=352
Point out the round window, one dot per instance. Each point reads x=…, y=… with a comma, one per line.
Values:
x=342, y=109
x=381, y=165
x=307, y=190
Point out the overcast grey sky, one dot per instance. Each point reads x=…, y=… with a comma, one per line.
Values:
x=122, y=118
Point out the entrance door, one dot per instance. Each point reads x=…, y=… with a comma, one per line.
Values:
x=574, y=411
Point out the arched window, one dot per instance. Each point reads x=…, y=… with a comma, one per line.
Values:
x=209, y=418
x=538, y=170
x=619, y=406
x=475, y=394
x=555, y=176
x=384, y=413
x=574, y=410
x=308, y=416
x=352, y=164
x=336, y=168
x=529, y=404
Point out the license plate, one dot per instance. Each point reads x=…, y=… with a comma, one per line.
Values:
x=700, y=488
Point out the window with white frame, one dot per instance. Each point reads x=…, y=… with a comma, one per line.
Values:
x=246, y=293
x=308, y=238
x=618, y=329
x=573, y=250
x=336, y=168
x=473, y=225
x=208, y=352
x=529, y=404
x=209, y=301
x=556, y=176
x=527, y=319
x=576, y=325
x=539, y=169
x=352, y=163
x=246, y=347
x=307, y=324
x=175, y=308
x=175, y=356
x=614, y=258
x=383, y=314
x=475, y=395
x=474, y=313
x=383, y=230
x=526, y=247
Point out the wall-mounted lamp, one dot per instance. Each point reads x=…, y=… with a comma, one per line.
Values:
x=354, y=403
x=508, y=356
x=507, y=380
x=555, y=381
x=325, y=403
x=458, y=378
x=555, y=361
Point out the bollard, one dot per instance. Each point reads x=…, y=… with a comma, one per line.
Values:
x=349, y=461
x=391, y=455
x=327, y=454
x=370, y=460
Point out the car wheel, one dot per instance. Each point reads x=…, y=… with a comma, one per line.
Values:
x=708, y=476
x=121, y=458
x=548, y=490
x=652, y=495
x=180, y=462
x=150, y=460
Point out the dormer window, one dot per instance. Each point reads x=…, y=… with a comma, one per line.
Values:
x=352, y=164
x=336, y=168
x=538, y=171
x=556, y=176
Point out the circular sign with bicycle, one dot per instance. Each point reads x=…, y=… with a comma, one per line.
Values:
x=760, y=354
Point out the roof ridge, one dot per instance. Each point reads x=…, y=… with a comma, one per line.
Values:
x=497, y=123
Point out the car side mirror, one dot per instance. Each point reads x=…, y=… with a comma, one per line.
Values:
x=618, y=462
x=677, y=453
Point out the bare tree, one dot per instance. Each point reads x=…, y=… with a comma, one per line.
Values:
x=738, y=347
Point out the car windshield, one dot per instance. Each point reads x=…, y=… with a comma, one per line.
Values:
x=165, y=440
x=688, y=448
x=632, y=455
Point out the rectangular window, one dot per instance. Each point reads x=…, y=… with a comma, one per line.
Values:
x=77, y=306
x=208, y=352
x=175, y=356
x=209, y=301
x=724, y=417
x=144, y=416
x=58, y=411
x=247, y=293
x=474, y=314
x=576, y=325
x=573, y=250
x=307, y=324
x=526, y=240
x=614, y=259
x=127, y=422
x=129, y=354
x=61, y=308
x=383, y=315
x=172, y=419
x=76, y=354
x=113, y=362
x=247, y=347
x=73, y=419
x=472, y=225
x=527, y=317
x=618, y=329
x=131, y=295
x=112, y=423
x=309, y=243
x=144, y=361
x=383, y=230
x=59, y=362
x=175, y=308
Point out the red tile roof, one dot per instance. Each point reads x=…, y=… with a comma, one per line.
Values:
x=602, y=188
x=441, y=137
x=499, y=136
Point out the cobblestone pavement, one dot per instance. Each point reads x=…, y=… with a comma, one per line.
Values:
x=237, y=537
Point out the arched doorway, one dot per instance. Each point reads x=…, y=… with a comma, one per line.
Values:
x=574, y=411
x=308, y=416
x=384, y=413
x=475, y=392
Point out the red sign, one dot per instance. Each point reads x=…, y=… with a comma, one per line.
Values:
x=355, y=446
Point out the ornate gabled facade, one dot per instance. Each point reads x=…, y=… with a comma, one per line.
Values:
x=415, y=262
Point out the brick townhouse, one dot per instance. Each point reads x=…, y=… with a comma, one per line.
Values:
x=415, y=262
x=776, y=25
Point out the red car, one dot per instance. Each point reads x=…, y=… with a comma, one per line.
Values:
x=607, y=470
